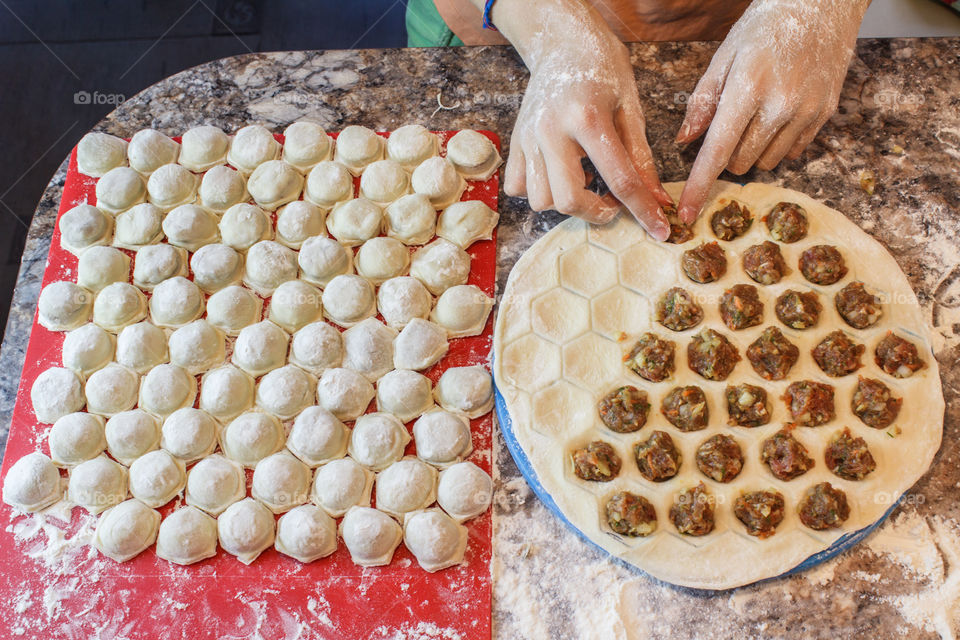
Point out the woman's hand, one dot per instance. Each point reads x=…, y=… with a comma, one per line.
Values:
x=771, y=86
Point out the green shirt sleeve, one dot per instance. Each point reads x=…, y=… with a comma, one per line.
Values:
x=425, y=27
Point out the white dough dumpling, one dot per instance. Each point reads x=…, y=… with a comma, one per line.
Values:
x=305, y=144
x=298, y=221
x=138, y=226
x=197, y=347
x=64, y=306
x=419, y=345
x=233, y=308
x=126, y=530
x=55, y=393
x=340, y=485
x=141, y=347
x=355, y=221
x=306, y=533
x=156, y=477
x=378, y=440
x=274, y=183
x=442, y=438
x=221, y=188
x=87, y=348
x=466, y=390
x=203, y=147
x=383, y=182
x=97, y=484
x=187, y=536
x=246, y=529
x=286, y=391
x=111, y=390
x=402, y=299
x=216, y=266
x=269, y=264
x=405, y=486
x=405, y=394
x=167, y=388
x=368, y=348
x=412, y=144
x=131, y=434
x=99, y=152
x=171, y=186
x=189, y=434
x=190, y=227
x=176, y=302
x=252, y=146
x=98, y=267
x=473, y=154
x=32, y=483
x=295, y=304
x=281, y=482
x=251, y=437
x=244, y=225
x=84, y=226
x=462, y=310
x=155, y=263
x=382, y=258
x=75, y=438
x=370, y=535
x=411, y=219
x=435, y=539
x=344, y=393
x=348, y=299
x=149, y=150
x=215, y=483
x=466, y=222
x=119, y=189
x=316, y=348
x=357, y=147
x=322, y=259
x=437, y=179
x=260, y=348
x=226, y=392
x=440, y=265
x=317, y=437
x=464, y=491
x=328, y=183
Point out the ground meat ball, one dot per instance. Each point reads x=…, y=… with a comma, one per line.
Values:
x=658, y=459
x=597, y=462
x=874, y=404
x=764, y=263
x=747, y=406
x=679, y=232
x=849, y=457
x=822, y=264
x=706, y=263
x=823, y=507
x=772, y=355
x=711, y=355
x=897, y=356
x=686, y=408
x=677, y=310
x=692, y=511
x=720, y=458
x=787, y=222
x=740, y=307
x=810, y=403
x=858, y=307
x=732, y=221
x=625, y=409
x=798, y=310
x=760, y=512
x=838, y=355
x=631, y=515
x=651, y=358
x=785, y=455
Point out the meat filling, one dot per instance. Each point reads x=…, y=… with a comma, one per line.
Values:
x=677, y=310
x=849, y=457
x=772, y=355
x=732, y=221
x=631, y=515
x=822, y=264
x=810, y=403
x=760, y=512
x=858, y=307
x=747, y=406
x=720, y=458
x=764, y=263
x=711, y=355
x=625, y=409
x=706, y=263
x=686, y=408
x=787, y=222
x=786, y=456
x=597, y=462
x=874, y=404
x=838, y=355
x=897, y=356
x=824, y=507
x=658, y=458
x=651, y=358
x=692, y=511
x=740, y=307
x=798, y=310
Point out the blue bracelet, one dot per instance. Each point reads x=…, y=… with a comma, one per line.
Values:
x=487, y=6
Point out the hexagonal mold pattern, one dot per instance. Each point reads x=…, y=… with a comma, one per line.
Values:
x=562, y=409
x=592, y=362
x=614, y=236
x=619, y=311
x=588, y=270
x=646, y=276
x=531, y=363
x=560, y=316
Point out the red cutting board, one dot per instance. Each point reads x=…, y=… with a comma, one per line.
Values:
x=78, y=593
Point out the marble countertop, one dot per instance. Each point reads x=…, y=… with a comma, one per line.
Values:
x=899, y=117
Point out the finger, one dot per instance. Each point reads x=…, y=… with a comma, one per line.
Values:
x=755, y=139
x=785, y=139
x=807, y=136
x=630, y=123
x=538, y=188
x=514, y=175
x=702, y=103
x=567, y=182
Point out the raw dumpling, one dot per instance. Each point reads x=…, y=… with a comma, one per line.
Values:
x=126, y=530
x=298, y=221
x=295, y=304
x=216, y=266
x=322, y=259
x=131, y=434
x=405, y=394
x=355, y=221
x=167, y=388
x=437, y=179
x=203, y=147
x=244, y=225
x=344, y=393
x=305, y=144
x=246, y=529
x=442, y=438
x=33, y=483
x=440, y=265
x=189, y=434
x=341, y=484
x=75, y=438
x=97, y=484
x=197, y=347
x=63, y=306
x=435, y=539
x=464, y=491
x=348, y=299
x=87, y=348
x=155, y=263
x=260, y=348
x=156, y=477
x=233, y=308
x=317, y=437
x=139, y=226
x=274, y=183
x=327, y=184
x=316, y=348
x=357, y=147
x=99, y=152
x=402, y=299
x=98, y=267
x=462, y=310
x=306, y=533
x=171, y=186
x=412, y=144
x=383, y=182
x=175, y=302
x=269, y=264
x=190, y=227
x=215, y=483
x=411, y=219
x=149, y=150
x=111, y=390
x=252, y=146
x=286, y=391
x=378, y=440
x=405, y=486
x=186, y=536
x=473, y=155
x=281, y=482
x=464, y=223
x=84, y=226
x=466, y=390
x=119, y=189
x=419, y=345
x=380, y=259
x=221, y=188
x=368, y=348
x=57, y=392
x=371, y=536
x=251, y=437
x=141, y=347
x=226, y=392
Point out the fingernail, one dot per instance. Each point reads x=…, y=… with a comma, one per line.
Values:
x=683, y=133
x=660, y=229
x=687, y=214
